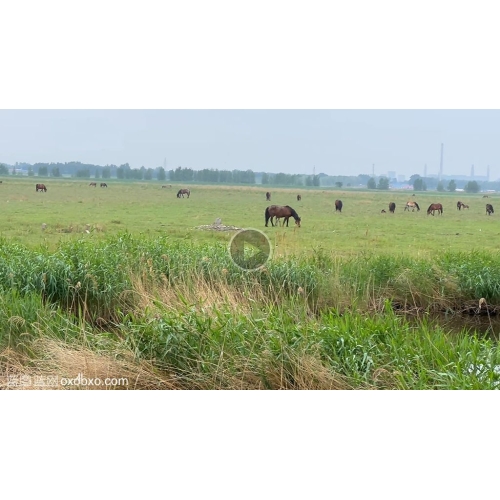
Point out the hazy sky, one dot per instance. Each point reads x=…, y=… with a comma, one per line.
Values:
x=336, y=142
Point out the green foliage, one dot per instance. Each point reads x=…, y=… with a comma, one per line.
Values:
x=440, y=187
x=383, y=183
x=472, y=187
x=419, y=185
x=106, y=172
x=371, y=184
x=161, y=175
x=452, y=186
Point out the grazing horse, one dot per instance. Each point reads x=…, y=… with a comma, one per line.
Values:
x=489, y=209
x=165, y=186
x=299, y=197
x=93, y=184
x=433, y=207
x=485, y=196
x=41, y=187
x=413, y=205
x=182, y=192
x=392, y=207
x=268, y=196
x=338, y=205
x=279, y=212
x=465, y=206
x=104, y=185
x=460, y=205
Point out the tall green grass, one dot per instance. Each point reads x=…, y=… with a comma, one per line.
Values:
x=316, y=321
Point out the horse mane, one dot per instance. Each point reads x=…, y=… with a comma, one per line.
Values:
x=416, y=204
x=295, y=215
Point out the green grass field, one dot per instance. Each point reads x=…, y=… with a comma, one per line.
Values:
x=70, y=207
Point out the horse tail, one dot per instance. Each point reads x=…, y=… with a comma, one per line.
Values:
x=266, y=215
x=416, y=204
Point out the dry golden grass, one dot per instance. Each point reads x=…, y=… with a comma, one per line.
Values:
x=194, y=290
x=53, y=358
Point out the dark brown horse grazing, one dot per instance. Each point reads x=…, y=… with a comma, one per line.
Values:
x=433, y=207
x=93, y=184
x=338, y=205
x=182, y=192
x=280, y=212
x=41, y=187
x=104, y=185
x=460, y=205
x=392, y=207
x=299, y=197
x=489, y=209
x=268, y=196
x=413, y=205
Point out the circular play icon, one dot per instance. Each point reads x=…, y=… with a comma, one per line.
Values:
x=250, y=249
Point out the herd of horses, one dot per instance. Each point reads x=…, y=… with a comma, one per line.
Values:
x=435, y=207
x=278, y=212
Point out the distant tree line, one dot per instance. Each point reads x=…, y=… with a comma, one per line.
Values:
x=212, y=175
x=180, y=174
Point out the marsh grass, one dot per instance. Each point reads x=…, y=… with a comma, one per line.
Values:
x=172, y=314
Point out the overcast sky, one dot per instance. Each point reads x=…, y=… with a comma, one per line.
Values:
x=336, y=142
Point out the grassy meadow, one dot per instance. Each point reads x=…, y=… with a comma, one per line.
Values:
x=70, y=208
x=122, y=283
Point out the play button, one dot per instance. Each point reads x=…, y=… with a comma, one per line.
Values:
x=250, y=249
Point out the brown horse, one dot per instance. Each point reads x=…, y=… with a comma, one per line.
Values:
x=268, y=196
x=489, y=209
x=281, y=212
x=93, y=184
x=182, y=192
x=41, y=187
x=104, y=185
x=165, y=186
x=465, y=206
x=299, y=197
x=338, y=205
x=433, y=207
x=460, y=205
x=392, y=207
x=413, y=205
